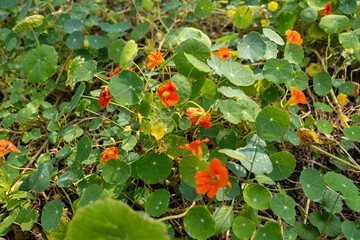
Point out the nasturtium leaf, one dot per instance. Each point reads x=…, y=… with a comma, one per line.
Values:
x=215, y=63
x=272, y=123
x=242, y=17
x=199, y=65
x=91, y=194
x=322, y=106
x=112, y=219
x=51, y=214
x=339, y=182
x=129, y=143
x=188, y=192
x=284, y=207
x=40, y=180
x=334, y=23
x=273, y=36
x=40, y=63
x=199, y=223
x=75, y=40
x=125, y=87
x=116, y=171
x=313, y=184
x=73, y=25
x=188, y=167
x=237, y=73
x=322, y=83
x=290, y=233
x=26, y=218
x=118, y=27
x=115, y=49
x=98, y=42
x=257, y=196
x=285, y=21
x=308, y=232
x=309, y=15
x=193, y=33
x=283, y=165
x=251, y=47
x=140, y=31
x=8, y=3
x=71, y=132
x=271, y=231
x=232, y=92
x=85, y=71
x=270, y=94
x=64, y=152
x=353, y=133
x=172, y=145
x=83, y=148
x=271, y=50
x=326, y=222
x=95, y=124
x=223, y=217
x=258, y=161
x=226, y=193
x=331, y=202
x=350, y=231
x=250, y=109
x=231, y=111
x=128, y=53
x=294, y=53
x=243, y=227
x=183, y=87
x=277, y=70
x=204, y=93
x=226, y=138
x=203, y=8
x=28, y=23
x=324, y=126
x=347, y=88
x=348, y=6
x=153, y=167
x=157, y=203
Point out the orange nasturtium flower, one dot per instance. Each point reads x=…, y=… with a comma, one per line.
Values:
x=6, y=147
x=167, y=94
x=131, y=69
x=223, y=53
x=116, y=71
x=296, y=98
x=210, y=181
x=155, y=59
x=293, y=36
x=110, y=153
x=195, y=147
x=198, y=116
x=104, y=98
x=327, y=9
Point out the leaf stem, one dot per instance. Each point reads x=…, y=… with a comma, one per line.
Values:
x=176, y=216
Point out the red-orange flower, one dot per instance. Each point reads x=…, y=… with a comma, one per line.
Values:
x=223, y=53
x=131, y=69
x=198, y=116
x=195, y=147
x=155, y=59
x=6, y=147
x=110, y=153
x=293, y=36
x=116, y=71
x=210, y=181
x=167, y=94
x=104, y=98
x=327, y=9
x=296, y=98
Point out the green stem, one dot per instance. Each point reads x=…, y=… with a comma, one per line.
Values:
x=176, y=216
x=116, y=104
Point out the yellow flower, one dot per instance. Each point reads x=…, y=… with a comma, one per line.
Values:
x=265, y=22
x=273, y=6
x=342, y=99
x=231, y=13
x=158, y=132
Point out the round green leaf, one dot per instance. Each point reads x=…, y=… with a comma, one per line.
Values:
x=350, y=231
x=188, y=167
x=326, y=220
x=283, y=165
x=128, y=53
x=353, y=133
x=317, y=4
x=347, y=88
x=91, y=194
x=257, y=196
x=140, y=31
x=271, y=50
x=348, y=6
x=199, y=223
x=51, y=214
x=306, y=232
x=115, y=49
x=237, y=73
x=322, y=106
x=75, y=40
x=126, y=87
x=252, y=47
x=273, y=36
x=285, y=21
x=116, y=171
x=226, y=138
x=277, y=70
x=250, y=109
x=331, y=202
x=270, y=94
x=271, y=231
x=322, y=83
x=242, y=17
x=309, y=15
x=203, y=8
x=324, y=126
x=204, y=93
x=157, y=203
x=226, y=193
x=98, y=42
x=199, y=65
x=40, y=180
x=153, y=167
x=272, y=123
x=339, y=182
x=112, y=219
x=83, y=148
x=334, y=23
x=188, y=192
x=28, y=23
x=40, y=63
x=73, y=25
x=313, y=184
x=231, y=111
x=223, y=217
x=294, y=53
x=284, y=207
x=261, y=164
x=243, y=227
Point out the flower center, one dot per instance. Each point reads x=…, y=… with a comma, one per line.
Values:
x=110, y=154
x=166, y=94
x=215, y=178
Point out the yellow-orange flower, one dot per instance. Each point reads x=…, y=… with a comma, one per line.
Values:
x=110, y=153
x=296, y=98
x=198, y=116
x=195, y=147
x=223, y=53
x=155, y=59
x=293, y=36
x=167, y=94
x=210, y=181
x=7, y=147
